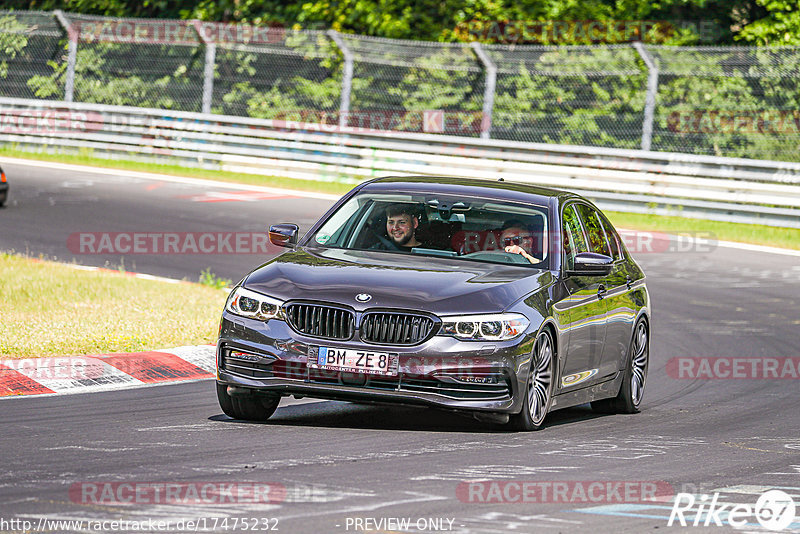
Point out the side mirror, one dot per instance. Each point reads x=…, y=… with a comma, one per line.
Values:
x=591, y=264
x=283, y=235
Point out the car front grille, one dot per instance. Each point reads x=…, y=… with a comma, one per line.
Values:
x=395, y=328
x=319, y=320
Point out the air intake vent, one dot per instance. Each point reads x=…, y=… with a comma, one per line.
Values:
x=395, y=328
x=321, y=321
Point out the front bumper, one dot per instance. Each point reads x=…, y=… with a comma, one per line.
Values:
x=441, y=372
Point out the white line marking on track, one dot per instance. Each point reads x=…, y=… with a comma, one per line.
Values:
x=168, y=178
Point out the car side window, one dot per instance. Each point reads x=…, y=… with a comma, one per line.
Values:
x=613, y=239
x=594, y=230
x=573, y=239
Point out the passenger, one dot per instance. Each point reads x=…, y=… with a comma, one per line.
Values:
x=517, y=239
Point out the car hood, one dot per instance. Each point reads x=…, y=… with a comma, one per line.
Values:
x=402, y=281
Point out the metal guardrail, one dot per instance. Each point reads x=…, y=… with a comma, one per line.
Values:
x=738, y=190
x=627, y=95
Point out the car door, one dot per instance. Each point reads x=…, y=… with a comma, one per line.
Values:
x=583, y=306
x=619, y=311
x=620, y=303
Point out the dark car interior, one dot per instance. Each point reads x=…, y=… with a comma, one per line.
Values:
x=455, y=229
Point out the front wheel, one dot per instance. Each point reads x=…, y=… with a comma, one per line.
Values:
x=630, y=393
x=539, y=388
x=246, y=408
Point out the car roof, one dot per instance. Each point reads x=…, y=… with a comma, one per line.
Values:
x=500, y=189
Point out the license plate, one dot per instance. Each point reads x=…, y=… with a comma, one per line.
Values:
x=354, y=361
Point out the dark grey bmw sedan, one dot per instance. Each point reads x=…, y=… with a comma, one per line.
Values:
x=495, y=298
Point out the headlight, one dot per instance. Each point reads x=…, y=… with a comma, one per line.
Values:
x=253, y=305
x=497, y=327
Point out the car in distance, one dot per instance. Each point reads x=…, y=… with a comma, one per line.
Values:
x=3, y=188
x=462, y=320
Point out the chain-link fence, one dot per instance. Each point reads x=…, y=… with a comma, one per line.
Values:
x=145, y=63
x=32, y=50
x=733, y=101
x=738, y=102
x=396, y=82
x=288, y=74
x=578, y=95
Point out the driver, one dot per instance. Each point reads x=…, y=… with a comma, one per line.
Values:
x=517, y=239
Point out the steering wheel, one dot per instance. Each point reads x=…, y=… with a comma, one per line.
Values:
x=384, y=241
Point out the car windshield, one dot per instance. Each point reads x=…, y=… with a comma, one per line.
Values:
x=474, y=229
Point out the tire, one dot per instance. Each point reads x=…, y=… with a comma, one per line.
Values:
x=631, y=391
x=246, y=408
x=539, y=386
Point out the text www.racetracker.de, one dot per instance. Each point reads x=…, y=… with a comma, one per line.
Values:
x=144, y=525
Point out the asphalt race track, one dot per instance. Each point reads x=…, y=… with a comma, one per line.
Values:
x=334, y=467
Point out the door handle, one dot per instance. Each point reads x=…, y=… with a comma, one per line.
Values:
x=601, y=292
x=629, y=281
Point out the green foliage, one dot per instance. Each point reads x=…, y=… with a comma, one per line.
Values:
x=740, y=104
x=589, y=97
x=207, y=278
x=442, y=80
x=781, y=26
x=269, y=104
x=718, y=21
x=111, y=8
x=12, y=41
x=100, y=79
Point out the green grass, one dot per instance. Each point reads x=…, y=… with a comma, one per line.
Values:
x=49, y=309
x=745, y=233
x=721, y=231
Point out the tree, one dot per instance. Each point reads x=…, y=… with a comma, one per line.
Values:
x=12, y=41
x=780, y=26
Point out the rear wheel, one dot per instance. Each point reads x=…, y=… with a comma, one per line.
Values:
x=539, y=388
x=247, y=408
x=630, y=393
